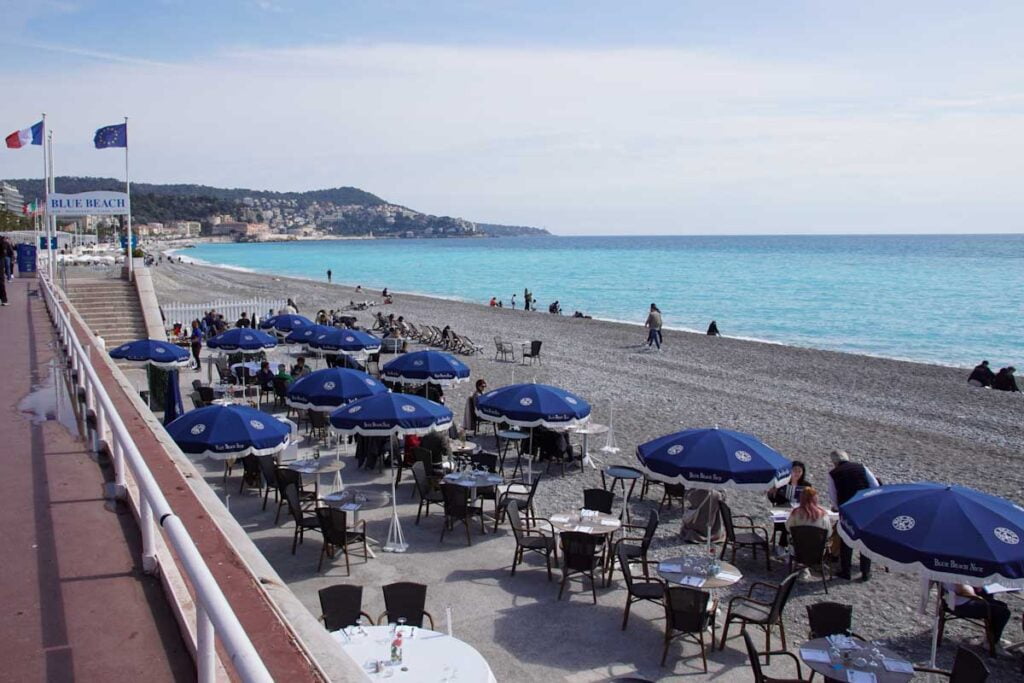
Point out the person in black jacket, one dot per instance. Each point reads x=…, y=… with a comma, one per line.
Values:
x=1004, y=380
x=844, y=481
x=713, y=329
x=982, y=375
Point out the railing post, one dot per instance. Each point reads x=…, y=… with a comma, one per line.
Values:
x=146, y=523
x=120, y=482
x=206, y=647
x=101, y=427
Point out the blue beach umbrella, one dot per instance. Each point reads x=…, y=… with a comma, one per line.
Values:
x=345, y=341
x=533, y=405
x=910, y=526
x=426, y=367
x=172, y=398
x=159, y=354
x=285, y=323
x=229, y=431
x=391, y=414
x=325, y=390
x=941, y=533
x=242, y=339
x=714, y=459
x=303, y=335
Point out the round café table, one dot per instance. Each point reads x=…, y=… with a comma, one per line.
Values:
x=689, y=571
x=352, y=500
x=619, y=474
x=585, y=430
x=426, y=655
x=473, y=480
x=887, y=666
x=317, y=466
x=597, y=523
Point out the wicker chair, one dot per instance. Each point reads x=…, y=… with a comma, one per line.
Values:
x=334, y=527
x=459, y=508
x=405, y=600
x=651, y=590
x=533, y=540
x=748, y=535
x=748, y=610
x=809, y=546
x=428, y=493
x=581, y=554
x=754, y=657
x=635, y=547
x=968, y=667
x=687, y=616
x=341, y=606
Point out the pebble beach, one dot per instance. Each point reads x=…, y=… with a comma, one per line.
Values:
x=906, y=421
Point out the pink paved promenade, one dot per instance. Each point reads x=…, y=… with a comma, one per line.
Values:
x=76, y=605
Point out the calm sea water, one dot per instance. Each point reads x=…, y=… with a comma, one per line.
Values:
x=945, y=299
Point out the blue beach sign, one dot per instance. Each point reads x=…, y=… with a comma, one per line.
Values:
x=88, y=204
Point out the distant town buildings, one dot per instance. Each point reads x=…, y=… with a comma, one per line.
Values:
x=10, y=199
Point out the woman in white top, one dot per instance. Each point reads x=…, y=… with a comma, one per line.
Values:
x=809, y=512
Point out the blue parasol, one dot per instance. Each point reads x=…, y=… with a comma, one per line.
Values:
x=229, y=431
x=325, y=390
x=305, y=334
x=533, y=405
x=714, y=459
x=942, y=533
x=426, y=367
x=159, y=354
x=391, y=414
x=345, y=341
x=242, y=339
x=910, y=526
x=285, y=323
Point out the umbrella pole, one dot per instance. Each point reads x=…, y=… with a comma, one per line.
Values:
x=529, y=461
x=935, y=627
x=396, y=540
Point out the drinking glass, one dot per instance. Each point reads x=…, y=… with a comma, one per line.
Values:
x=401, y=623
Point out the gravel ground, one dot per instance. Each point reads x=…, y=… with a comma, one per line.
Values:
x=906, y=421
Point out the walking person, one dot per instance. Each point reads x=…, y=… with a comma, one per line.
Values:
x=527, y=299
x=196, y=339
x=328, y=276
x=3, y=291
x=844, y=481
x=653, y=326
x=513, y=302
x=7, y=250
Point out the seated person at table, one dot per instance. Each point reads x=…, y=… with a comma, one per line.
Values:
x=265, y=376
x=809, y=512
x=470, y=421
x=243, y=321
x=552, y=444
x=785, y=496
x=439, y=445
x=975, y=603
x=282, y=372
x=702, y=506
x=300, y=369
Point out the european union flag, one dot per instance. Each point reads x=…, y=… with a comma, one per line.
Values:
x=112, y=136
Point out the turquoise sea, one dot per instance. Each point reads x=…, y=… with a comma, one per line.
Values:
x=949, y=299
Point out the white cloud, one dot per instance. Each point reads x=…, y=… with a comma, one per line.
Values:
x=577, y=140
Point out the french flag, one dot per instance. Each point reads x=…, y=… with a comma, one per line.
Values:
x=28, y=136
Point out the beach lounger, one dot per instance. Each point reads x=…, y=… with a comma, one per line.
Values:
x=472, y=346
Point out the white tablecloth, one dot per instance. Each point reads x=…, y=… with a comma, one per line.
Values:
x=424, y=655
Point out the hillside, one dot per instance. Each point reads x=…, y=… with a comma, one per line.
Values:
x=339, y=210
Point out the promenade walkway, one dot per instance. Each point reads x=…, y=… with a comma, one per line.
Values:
x=76, y=605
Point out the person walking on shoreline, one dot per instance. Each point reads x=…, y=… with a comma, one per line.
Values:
x=653, y=326
x=527, y=299
x=329, y=276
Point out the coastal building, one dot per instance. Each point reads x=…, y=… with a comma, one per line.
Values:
x=11, y=199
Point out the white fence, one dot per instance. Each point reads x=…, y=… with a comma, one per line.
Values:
x=214, y=616
x=231, y=310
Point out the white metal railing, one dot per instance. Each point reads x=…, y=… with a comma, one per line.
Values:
x=230, y=309
x=214, y=616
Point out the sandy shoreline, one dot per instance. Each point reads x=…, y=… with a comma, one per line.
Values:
x=906, y=421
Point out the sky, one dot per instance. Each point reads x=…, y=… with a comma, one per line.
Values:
x=584, y=117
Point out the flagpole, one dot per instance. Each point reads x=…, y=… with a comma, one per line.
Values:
x=46, y=190
x=128, y=191
x=51, y=221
